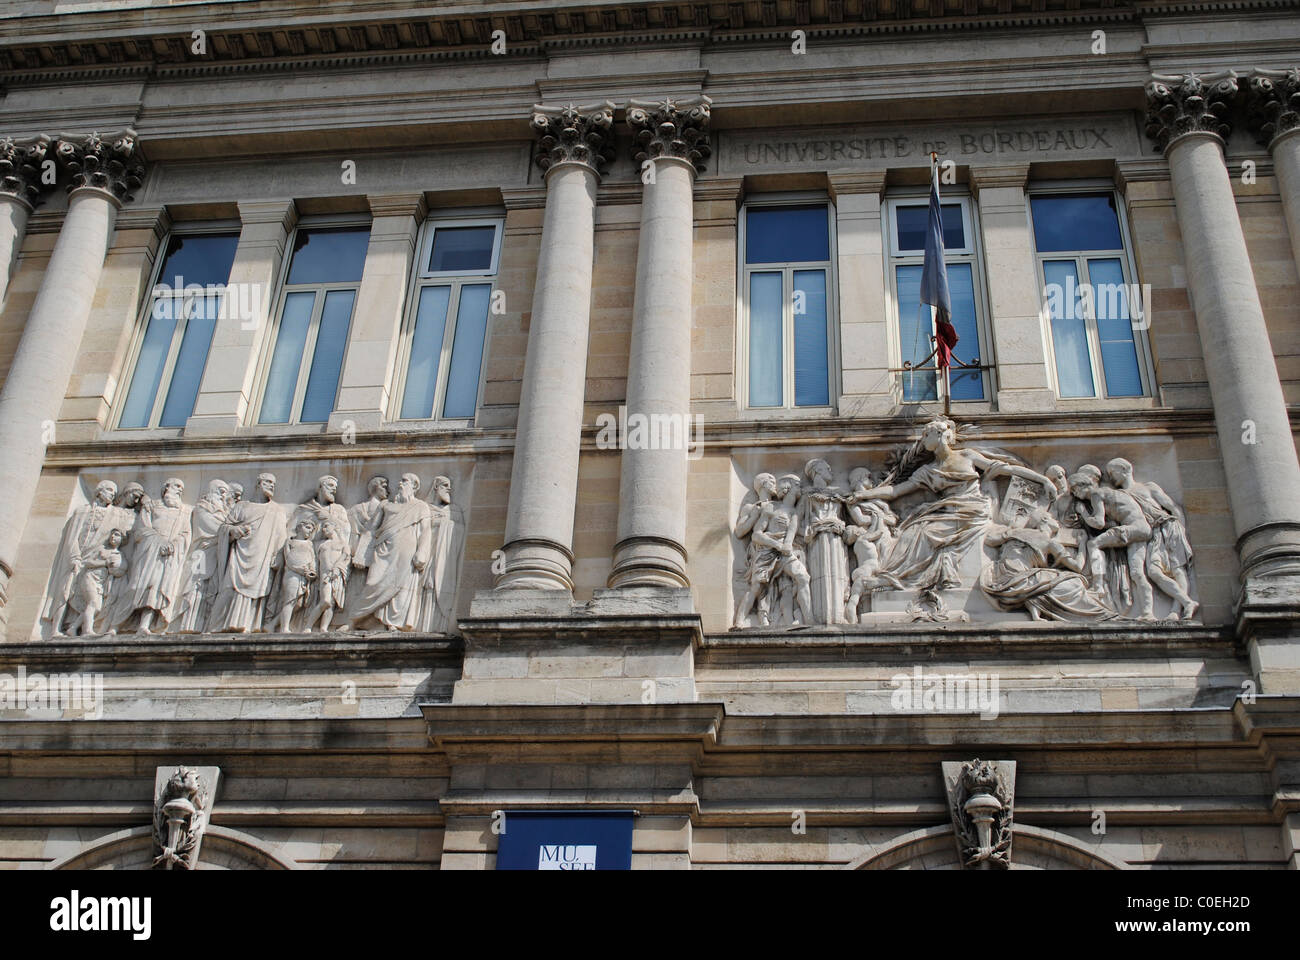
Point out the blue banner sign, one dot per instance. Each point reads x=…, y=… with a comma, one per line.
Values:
x=556, y=840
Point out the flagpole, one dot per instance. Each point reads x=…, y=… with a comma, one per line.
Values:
x=947, y=375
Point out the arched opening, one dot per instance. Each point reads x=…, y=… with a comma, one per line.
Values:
x=223, y=849
x=1033, y=848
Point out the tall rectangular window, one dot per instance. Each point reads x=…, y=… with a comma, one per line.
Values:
x=786, y=305
x=907, y=223
x=171, y=349
x=1085, y=270
x=447, y=330
x=315, y=314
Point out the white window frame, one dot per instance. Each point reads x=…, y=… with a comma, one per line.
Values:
x=284, y=288
x=199, y=229
x=1141, y=343
x=421, y=278
x=972, y=253
x=787, y=270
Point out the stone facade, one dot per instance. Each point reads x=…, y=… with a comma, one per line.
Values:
x=786, y=636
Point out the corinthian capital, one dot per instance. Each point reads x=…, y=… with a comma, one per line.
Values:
x=20, y=168
x=575, y=134
x=110, y=162
x=670, y=128
x=1178, y=105
x=1273, y=103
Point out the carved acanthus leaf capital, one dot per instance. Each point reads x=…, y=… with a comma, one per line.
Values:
x=110, y=162
x=575, y=134
x=20, y=168
x=671, y=128
x=1179, y=105
x=1273, y=103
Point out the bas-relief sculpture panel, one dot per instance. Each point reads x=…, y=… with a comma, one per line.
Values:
x=948, y=528
x=286, y=548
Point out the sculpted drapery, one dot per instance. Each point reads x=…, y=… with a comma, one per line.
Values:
x=254, y=532
x=980, y=532
x=394, y=553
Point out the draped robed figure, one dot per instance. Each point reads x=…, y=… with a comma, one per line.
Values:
x=394, y=553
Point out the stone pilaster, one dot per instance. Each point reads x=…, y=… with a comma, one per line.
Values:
x=1188, y=120
x=366, y=381
x=573, y=148
x=1273, y=116
x=869, y=389
x=228, y=378
x=671, y=144
x=1015, y=294
x=22, y=164
x=102, y=172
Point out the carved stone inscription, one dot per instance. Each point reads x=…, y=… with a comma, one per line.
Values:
x=1086, y=138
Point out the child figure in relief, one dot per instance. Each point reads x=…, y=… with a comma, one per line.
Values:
x=871, y=534
x=96, y=571
x=298, y=558
x=332, y=560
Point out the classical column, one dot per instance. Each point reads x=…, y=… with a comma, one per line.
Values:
x=103, y=171
x=1274, y=118
x=573, y=148
x=1187, y=118
x=21, y=187
x=670, y=146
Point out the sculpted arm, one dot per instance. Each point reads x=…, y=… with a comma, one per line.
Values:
x=891, y=491
x=761, y=536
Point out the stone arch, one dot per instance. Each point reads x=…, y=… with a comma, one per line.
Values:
x=1033, y=848
x=223, y=849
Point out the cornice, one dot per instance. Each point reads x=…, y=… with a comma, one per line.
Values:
x=286, y=36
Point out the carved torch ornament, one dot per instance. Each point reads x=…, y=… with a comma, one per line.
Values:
x=180, y=813
x=980, y=799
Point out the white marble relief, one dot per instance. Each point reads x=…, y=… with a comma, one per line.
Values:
x=949, y=526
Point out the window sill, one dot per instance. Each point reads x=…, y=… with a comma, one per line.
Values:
x=1069, y=404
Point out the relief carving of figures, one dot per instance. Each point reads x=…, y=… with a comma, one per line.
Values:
x=871, y=534
x=823, y=537
x=1169, y=553
x=447, y=542
x=296, y=564
x=252, y=536
x=333, y=563
x=323, y=508
x=85, y=532
x=101, y=572
x=938, y=533
x=394, y=552
x=1038, y=573
x=200, y=588
x=227, y=564
x=1082, y=547
x=161, y=537
x=775, y=555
